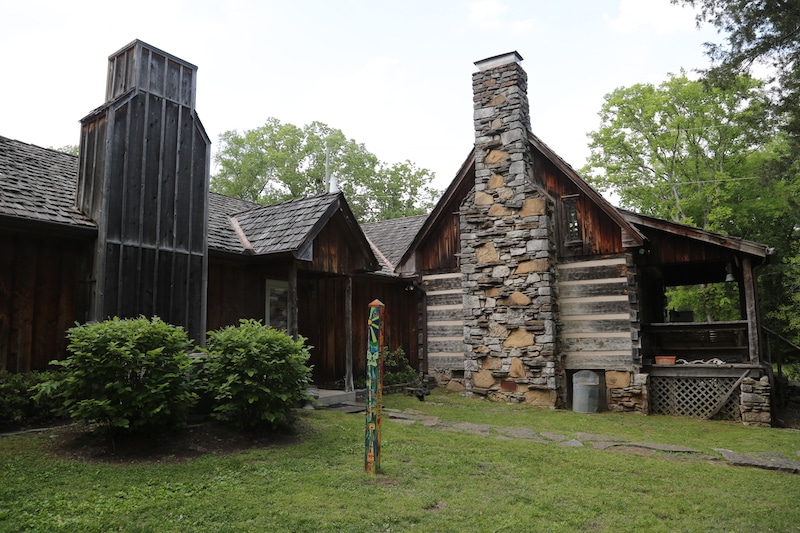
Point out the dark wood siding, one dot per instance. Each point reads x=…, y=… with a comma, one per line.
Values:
x=600, y=234
x=335, y=251
x=42, y=294
x=153, y=224
x=236, y=290
x=439, y=253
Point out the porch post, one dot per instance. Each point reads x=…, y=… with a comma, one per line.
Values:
x=751, y=308
x=348, y=335
x=291, y=325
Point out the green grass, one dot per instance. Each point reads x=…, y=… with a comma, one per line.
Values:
x=432, y=480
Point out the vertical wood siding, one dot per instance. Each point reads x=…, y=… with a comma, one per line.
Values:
x=42, y=294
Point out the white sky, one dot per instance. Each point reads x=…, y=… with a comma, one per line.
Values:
x=393, y=75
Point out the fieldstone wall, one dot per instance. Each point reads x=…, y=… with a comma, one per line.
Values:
x=507, y=252
x=627, y=392
x=754, y=402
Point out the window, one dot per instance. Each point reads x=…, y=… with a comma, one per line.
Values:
x=277, y=304
x=572, y=224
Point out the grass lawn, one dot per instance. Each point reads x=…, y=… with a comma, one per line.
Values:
x=432, y=480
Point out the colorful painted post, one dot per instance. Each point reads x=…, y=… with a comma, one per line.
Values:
x=372, y=430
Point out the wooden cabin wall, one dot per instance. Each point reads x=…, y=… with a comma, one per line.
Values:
x=600, y=234
x=595, y=313
x=236, y=290
x=334, y=253
x=322, y=314
x=43, y=292
x=440, y=253
x=401, y=319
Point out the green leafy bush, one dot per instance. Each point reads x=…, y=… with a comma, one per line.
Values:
x=17, y=405
x=125, y=374
x=255, y=374
x=396, y=368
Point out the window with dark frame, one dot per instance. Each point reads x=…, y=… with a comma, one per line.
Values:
x=573, y=226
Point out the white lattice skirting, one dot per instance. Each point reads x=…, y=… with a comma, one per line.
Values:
x=693, y=397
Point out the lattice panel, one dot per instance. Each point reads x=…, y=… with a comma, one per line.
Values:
x=693, y=397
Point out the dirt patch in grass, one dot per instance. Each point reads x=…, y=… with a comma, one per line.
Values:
x=81, y=443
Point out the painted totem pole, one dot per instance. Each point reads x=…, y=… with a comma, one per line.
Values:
x=372, y=430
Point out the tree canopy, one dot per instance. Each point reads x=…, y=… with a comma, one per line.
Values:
x=277, y=162
x=767, y=34
x=679, y=150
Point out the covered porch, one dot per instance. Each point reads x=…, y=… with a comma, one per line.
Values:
x=701, y=364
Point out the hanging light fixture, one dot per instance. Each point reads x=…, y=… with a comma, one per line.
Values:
x=729, y=272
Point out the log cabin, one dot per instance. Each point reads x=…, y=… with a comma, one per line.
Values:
x=521, y=278
x=532, y=279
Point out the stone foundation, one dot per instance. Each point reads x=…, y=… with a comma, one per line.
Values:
x=627, y=392
x=754, y=402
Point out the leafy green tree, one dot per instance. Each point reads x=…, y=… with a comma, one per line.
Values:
x=767, y=34
x=71, y=149
x=700, y=155
x=277, y=162
x=401, y=190
x=679, y=150
x=763, y=33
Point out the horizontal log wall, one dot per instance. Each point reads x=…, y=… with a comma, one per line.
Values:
x=595, y=314
x=445, y=323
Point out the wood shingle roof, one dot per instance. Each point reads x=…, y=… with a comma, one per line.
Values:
x=391, y=238
x=37, y=185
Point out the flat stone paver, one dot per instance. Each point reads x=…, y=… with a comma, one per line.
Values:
x=766, y=460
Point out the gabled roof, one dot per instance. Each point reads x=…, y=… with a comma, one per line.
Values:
x=708, y=237
x=38, y=186
x=391, y=238
x=290, y=227
x=453, y=193
x=631, y=236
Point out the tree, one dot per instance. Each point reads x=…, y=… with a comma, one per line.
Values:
x=277, y=162
x=681, y=150
x=765, y=32
x=402, y=190
x=700, y=155
x=71, y=149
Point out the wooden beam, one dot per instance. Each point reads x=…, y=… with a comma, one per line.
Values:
x=751, y=307
x=348, y=335
x=724, y=399
x=291, y=325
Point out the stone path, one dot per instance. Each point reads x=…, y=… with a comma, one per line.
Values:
x=765, y=460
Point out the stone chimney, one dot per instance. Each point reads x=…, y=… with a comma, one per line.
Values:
x=507, y=249
x=143, y=178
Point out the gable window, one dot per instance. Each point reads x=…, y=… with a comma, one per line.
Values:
x=277, y=304
x=572, y=226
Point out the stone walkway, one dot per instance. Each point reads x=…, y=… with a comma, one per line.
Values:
x=765, y=460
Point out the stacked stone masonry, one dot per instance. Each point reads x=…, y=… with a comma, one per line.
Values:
x=507, y=254
x=755, y=403
x=627, y=392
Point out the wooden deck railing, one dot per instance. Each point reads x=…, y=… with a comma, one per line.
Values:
x=697, y=341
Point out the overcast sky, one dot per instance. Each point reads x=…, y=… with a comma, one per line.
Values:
x=393, y=75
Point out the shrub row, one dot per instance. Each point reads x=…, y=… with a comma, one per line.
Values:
x=136, y=375
x=17, y=406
